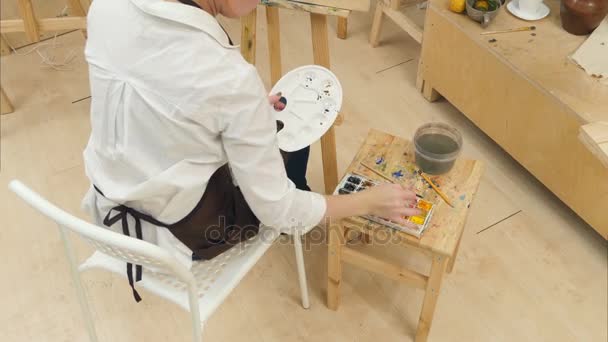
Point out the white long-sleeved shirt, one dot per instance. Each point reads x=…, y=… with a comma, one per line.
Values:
x=172, y=101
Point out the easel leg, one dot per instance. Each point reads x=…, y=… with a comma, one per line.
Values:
x=29, y=20
x=248, y=35
x=430, y=297
x=274, y=43
x=374, y=36
x=5, y=105
x=320, y=48
x=342, y=27
x=334, y=264
x=320, y=45
x=78, y=11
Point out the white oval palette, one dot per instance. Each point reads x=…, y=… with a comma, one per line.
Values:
x=314, y=99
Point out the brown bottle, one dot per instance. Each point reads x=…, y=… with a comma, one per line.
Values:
x=581, y=17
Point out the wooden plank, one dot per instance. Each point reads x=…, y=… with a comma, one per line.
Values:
x=274, y=44
x=248, y=36
x=332, y=11
x=374, y=35
x=595, y=137
x=353, y=5
x=520, y=110
x=430, y=298
x=385, y=269
x=334, y=264
x=5, y=104
x=46, y=25
x=342, y=28
x=29, y=20
x=447, y=223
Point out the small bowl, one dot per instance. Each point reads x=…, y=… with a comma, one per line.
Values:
x=483, y=17
x=437, y=147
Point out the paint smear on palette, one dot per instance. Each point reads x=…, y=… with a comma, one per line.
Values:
x=398, y=174
x=462, y=197
x=379, y=160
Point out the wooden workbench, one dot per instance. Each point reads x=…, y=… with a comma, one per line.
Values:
x=526, y=94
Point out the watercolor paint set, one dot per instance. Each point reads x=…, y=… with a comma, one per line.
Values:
x=352, y=183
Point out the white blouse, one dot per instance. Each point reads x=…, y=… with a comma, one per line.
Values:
x=172, y=101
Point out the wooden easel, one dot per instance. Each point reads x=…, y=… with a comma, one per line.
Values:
x=33, y=27
x=396, y=10
x=320, y=47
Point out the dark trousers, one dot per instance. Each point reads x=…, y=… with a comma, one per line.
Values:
x=296, y=168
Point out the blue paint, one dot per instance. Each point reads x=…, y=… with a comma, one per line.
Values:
x=379, y=160
x=398, y=174
x=462, y=197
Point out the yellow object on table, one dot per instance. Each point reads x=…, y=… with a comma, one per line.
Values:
x=394, y=156
x=457, y=6
x=481, y=5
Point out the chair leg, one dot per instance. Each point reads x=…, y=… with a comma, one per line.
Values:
x=297, y=243
x=195, y=313
x=82, y=299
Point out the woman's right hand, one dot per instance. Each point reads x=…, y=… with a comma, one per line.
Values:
x=391, y=201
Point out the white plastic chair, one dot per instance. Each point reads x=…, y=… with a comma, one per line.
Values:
x=199, y=290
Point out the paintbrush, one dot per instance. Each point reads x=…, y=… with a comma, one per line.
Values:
x=377, y=172
x=385, y=177
x=439, y=192
x=518, y=29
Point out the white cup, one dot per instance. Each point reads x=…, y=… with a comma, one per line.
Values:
x=529, y=6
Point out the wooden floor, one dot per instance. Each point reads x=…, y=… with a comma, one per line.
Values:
x=540, y=275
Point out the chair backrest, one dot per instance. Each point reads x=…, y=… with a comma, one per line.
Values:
x=119, y=246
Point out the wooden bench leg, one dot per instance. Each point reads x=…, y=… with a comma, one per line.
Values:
x=320, y=48
x=342, y=28
x=5, y=49
x=374, y=36
x=248, y=35
x=274, y=44
x=5, y=105
x=334, y=264
x=430, y=297
x=429, y=92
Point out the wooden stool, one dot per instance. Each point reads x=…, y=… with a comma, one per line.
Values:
x=403, y=14
x=440, y=242
x=320, y=46
x=33, y=27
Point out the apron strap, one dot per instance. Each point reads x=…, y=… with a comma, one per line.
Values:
x=122, y=214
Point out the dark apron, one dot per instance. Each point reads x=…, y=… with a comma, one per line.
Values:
x=220, y=220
